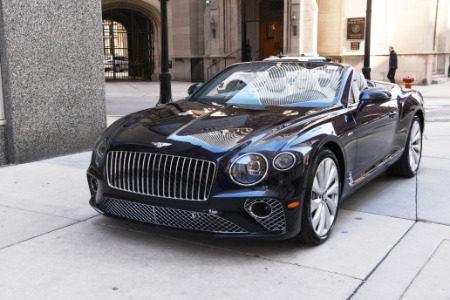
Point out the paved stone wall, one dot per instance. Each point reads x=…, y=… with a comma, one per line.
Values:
x=51, y=54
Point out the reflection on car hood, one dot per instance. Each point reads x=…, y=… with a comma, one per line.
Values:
x=186, y=125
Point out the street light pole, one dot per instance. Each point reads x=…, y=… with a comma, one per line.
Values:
x=366, y=70
x=165, y=89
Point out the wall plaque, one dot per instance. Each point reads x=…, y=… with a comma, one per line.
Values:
x=354, y=45
x=356, y=28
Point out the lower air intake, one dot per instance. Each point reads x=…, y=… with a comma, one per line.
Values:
x=171, y=217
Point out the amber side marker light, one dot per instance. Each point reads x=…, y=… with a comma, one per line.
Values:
x=293, y=204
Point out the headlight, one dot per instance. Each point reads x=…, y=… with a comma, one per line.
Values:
x=100, y=150
x=284, y=161
x=249, y=169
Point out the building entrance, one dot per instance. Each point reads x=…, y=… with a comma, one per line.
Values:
x=128, y=45
x=262, y=30
x=270, y=38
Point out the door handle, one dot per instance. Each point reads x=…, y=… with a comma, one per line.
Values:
x=392, y=114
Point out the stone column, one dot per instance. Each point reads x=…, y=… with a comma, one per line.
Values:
x=309, y=25
x=51, y=54
x=2, y=124
x=307, y=18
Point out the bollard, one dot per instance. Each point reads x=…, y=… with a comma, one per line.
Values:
x=407, y=81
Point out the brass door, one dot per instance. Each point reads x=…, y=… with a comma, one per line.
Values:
x=270, y=38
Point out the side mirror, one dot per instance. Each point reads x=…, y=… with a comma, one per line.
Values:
x=374, y=95
x=193, y=88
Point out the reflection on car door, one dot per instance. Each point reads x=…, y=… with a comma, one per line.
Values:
x=376, y=123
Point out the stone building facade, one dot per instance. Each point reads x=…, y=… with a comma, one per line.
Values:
x=51, y=53
x=207, y=35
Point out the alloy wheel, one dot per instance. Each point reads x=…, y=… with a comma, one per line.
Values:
x=324, y=197
x=415, y=146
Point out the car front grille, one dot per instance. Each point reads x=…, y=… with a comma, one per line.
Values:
x=160, y=175
x=171, y=217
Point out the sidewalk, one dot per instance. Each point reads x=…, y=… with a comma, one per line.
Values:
x=391, y=241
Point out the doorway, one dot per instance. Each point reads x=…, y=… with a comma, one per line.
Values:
x=262, y=28
x=128, y=45
x=270, y=38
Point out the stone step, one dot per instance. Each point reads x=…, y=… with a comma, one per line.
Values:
x=437, y=79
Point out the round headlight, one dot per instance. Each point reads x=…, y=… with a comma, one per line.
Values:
x=249, y=169
x=284, y=161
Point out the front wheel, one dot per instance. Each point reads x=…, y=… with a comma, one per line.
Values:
x=408, y=164
x=321, y=199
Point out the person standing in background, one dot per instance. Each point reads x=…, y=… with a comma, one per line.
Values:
x=393, y=64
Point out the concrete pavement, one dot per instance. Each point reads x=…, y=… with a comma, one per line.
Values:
x=391, y=241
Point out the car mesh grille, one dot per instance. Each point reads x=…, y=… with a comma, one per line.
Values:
x=160, y=175
x=171, y=217
x=275, y=220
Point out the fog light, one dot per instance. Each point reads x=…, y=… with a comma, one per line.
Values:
x=93, y=184
x=261, y=209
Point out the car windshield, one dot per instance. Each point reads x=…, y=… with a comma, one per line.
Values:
x=274, y=84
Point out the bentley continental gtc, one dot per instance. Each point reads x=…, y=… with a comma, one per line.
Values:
x=264, y=149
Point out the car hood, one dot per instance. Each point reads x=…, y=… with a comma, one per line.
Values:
x=194, y=127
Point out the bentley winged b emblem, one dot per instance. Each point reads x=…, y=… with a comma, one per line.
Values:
x=160, y=144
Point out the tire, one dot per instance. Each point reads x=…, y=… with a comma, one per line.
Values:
x=321, y=199
x=408, y=164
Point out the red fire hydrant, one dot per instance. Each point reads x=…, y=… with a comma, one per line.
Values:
x=407, y=81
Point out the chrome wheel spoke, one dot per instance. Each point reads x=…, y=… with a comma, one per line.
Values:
x=315, y=203
x=328, y=218
x=415, y=155
x=316, y=217
x=334, y=189
x=332, y=206
x=415, y=135
x=324, y=219
x=316, y=188
x=332, y=174
x=321, y=177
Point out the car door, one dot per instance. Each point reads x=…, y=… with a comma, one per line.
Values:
x=376, y=124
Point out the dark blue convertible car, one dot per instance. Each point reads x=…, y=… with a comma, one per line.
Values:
x=264, y=149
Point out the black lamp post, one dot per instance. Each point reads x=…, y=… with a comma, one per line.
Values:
x=366, y=70
x=165, y=89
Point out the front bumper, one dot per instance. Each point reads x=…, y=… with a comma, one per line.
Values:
x=248, y=215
